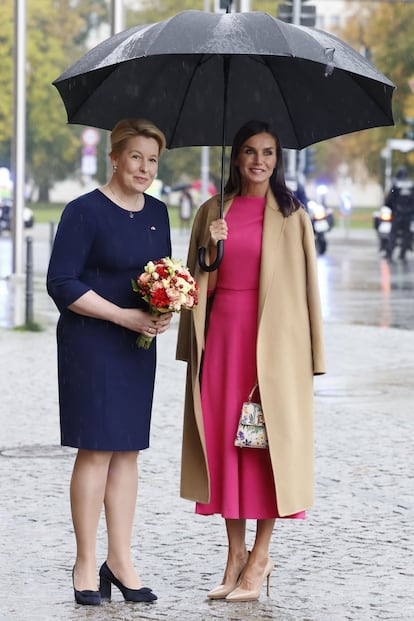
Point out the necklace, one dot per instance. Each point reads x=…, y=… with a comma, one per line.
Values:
x=131, y=212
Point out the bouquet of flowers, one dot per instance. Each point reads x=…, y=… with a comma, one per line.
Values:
x=167, y=286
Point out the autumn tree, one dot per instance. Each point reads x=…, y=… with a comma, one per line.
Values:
x=382, y=32
x=56, y=36
x=6, y=80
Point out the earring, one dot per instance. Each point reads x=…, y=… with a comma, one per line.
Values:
x=114, y=168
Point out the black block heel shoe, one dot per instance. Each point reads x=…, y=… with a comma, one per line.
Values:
x=107, y=579
x=86, y=598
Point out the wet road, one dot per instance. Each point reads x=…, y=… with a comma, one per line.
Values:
x=357, y=285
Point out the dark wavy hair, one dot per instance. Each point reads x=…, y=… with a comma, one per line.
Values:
x=287, y=202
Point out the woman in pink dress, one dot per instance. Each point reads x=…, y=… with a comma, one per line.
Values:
x=258, y=321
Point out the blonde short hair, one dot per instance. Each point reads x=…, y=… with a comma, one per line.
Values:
x=129, y=128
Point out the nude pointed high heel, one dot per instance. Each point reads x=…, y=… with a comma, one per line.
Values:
x=247, y=595
x=222, y=590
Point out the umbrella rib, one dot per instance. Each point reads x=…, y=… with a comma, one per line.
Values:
x=354, y=77
x=202, y=59
x=108, y=74
x=267, y=64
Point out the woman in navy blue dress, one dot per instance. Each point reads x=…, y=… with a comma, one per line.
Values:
x=106, y=381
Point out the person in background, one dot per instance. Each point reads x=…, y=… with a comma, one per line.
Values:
x=298, y=189
x=258, y=321
x=104, y=239
x=186, y=209
x=400, y=200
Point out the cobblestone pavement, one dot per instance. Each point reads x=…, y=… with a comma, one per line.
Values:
x=352, y=559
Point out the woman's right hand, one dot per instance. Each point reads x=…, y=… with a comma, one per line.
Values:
x=218, y=230
x=138, y=320
x=93, y=305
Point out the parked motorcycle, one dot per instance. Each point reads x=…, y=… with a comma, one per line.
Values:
x=382, y=222
x=6, y=213
x=322, y=221
x=321, y=216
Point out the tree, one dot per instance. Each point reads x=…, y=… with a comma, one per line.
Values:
x=56, y=35
x=157, y=10
x=183, y=164
x=383, y=32
x=6, y=80
x=56, y=38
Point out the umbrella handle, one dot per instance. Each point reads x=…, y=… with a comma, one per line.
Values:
x=217, y=260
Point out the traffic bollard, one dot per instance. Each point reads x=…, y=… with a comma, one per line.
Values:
x=29, y=280
x=52, y=227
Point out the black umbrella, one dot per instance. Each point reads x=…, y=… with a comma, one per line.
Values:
x=199, y=76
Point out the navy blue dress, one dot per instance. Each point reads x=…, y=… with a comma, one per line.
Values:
x=106, y=382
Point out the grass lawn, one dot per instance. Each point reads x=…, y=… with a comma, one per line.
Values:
x=47, y=212
x=360, y=218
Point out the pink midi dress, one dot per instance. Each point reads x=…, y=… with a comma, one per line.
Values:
x=241, y=479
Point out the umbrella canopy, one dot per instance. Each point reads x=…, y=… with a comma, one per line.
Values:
x=200, y=76
x=191, y=72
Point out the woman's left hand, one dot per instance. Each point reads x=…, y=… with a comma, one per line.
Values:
x=161, y=322
x=218, y=231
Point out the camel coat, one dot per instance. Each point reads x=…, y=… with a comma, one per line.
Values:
x=289, y=352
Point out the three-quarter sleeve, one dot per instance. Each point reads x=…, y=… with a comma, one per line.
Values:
x=74, y=237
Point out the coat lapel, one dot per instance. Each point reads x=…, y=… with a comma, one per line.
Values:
x=273, y=225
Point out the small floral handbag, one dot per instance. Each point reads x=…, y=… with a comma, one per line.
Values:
x=251, y=430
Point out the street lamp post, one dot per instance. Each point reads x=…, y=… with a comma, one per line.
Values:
x=19, y=141
x=205, y=151
x=117, y=16
x=117, y=25
x=296, y=7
